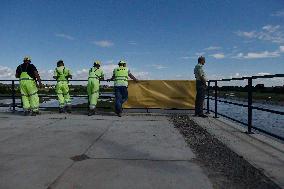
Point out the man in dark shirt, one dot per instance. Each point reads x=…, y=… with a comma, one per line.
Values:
x=28, y=76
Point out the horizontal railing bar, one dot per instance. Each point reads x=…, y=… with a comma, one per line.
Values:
x=253, y=77
x=228, y=102
x=73, y=107
x=255, y=128
x=268, y=133
x=268, y=76
x=268, y=110
x=230, y=118
x=253, y=107
x=242, y=78
x=18, y=96
x=52, y=80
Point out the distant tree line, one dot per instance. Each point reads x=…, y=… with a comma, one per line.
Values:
x=50, y=89
x=258, y=88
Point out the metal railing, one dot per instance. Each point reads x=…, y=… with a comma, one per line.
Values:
x=249, y=104
x=13, y=95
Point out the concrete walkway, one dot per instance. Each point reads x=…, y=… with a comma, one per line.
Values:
x=128, y=152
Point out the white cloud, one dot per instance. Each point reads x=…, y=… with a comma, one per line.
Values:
x=195, y=56
x=199, y=53
x=81, y=74
x=256, y=55
x=267, y=33
x=132, y=42
x=281, y=49
x=187, y=57
x=263, y=73
x=239, y=56
x=264, y=54
x=103, y=43
x=212, y=48
x=7, y=73
x=46, y=74
x=108, y=62
x=158, y=66
x=108, y=69
x=278, y=13
x=65, y=36
x=141, y=75
x=218, y=55
x=251, y=34
x=271, y=28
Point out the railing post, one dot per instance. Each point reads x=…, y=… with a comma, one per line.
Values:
x=249, y=105
x=13, y=95
x=216, y=107
x=208, y=93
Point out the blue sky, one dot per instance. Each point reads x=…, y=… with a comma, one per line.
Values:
x=160, y=39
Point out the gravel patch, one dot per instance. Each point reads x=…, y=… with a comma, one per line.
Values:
x=225, y=168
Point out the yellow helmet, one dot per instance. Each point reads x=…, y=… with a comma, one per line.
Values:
x=27, y=58
x=97, y=62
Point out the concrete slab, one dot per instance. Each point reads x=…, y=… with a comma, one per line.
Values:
x=145, y=139
x=30, y=172
x=261, y=151
x=72, y=135
x=129, y=152
x=120, y=174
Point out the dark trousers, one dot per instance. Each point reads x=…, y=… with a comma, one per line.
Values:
x=200, y=96
x=121, y=95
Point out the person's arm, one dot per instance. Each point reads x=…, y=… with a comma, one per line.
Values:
x=38, y=78
x=112, y=78
x=132, y=77
x=55, y=74
x=36, y=75
x=202, y=75
x=102, y=76
x=69, y=75
x=203, y=79
x=17, y=75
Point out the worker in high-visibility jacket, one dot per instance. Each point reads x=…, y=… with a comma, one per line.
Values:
x=95, y=75
x=28, y=76
x=62, y=74
x=120, y=78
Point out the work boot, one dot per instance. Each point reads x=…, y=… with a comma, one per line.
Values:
x=92, y=112
x=33, y=113
x=27, y=112
x=68, y=109
x=202, y=115
x=119, y=114
x=61, y=110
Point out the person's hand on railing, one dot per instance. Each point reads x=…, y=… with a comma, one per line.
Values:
x=136, y=80
x=40, y=85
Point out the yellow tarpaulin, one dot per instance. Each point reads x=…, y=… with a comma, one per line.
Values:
x=161, y=94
